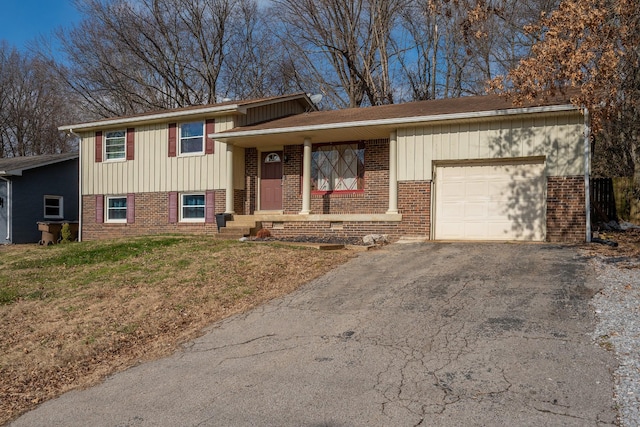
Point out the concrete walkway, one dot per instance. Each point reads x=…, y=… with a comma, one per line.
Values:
x=432, y=334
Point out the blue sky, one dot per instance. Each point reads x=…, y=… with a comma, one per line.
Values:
x=24, y=20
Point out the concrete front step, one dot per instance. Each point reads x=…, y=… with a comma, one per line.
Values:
x=246, y=231
x=240, y=226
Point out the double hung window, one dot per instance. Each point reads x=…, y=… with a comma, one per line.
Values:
x=115, y=147
x=116, y=209
x=192, y=207
x=337, y=167
x=191, y=138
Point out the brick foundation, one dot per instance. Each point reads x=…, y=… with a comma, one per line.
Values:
x=566, y=214
x=151, y=217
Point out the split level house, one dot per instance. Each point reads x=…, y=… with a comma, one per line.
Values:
x=473, y=168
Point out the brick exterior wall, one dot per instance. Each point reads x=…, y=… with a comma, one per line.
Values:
x=151, y=217
x=414, y=203
x=566, y=214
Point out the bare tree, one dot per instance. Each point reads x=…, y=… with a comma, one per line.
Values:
x=345, y=46
x=129, y=56
x=255, y=65
x=33, y=103
x=459, y=45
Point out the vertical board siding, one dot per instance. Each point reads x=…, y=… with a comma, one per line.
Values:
x=271, y=111
x=152, y=169
x=559, y=137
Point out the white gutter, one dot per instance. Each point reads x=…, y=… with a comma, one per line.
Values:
x=151, y=117
x=587, y=170
x=79, y=184
x=8, y=181
x=396, y=121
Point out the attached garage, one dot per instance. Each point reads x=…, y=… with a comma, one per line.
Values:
x=490, y=201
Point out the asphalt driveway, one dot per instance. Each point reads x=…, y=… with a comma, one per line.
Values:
x=421, y=334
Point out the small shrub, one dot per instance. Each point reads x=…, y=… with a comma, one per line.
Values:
x=65, y=234
x=263, y=233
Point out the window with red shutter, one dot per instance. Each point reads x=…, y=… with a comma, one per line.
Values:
x=131, y=135
x=99, y=209
x=172, y=140
x=210, y=128
x=173, y=207
x=98, y=147
x=210, y=215
x=131, y=208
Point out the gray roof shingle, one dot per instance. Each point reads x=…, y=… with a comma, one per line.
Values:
x=15, y=165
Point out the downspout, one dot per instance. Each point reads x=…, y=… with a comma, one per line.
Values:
x=8, y=181
x=71, y=132
x=587, y=170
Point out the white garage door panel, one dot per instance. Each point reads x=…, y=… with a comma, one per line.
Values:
x=490, y=202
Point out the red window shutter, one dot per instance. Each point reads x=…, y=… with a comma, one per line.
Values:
x=131, y=135
x=99, y=209
x=209, y=206
x=131, y=208
x=209, y=143
x=173, y=131
x=98, y=147
x=173, y=207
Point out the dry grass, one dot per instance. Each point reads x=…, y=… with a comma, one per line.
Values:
x=73, y=314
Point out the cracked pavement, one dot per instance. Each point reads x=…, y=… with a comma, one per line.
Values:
x=432, y=334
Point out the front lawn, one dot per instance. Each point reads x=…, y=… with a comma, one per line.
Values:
x=72, y=314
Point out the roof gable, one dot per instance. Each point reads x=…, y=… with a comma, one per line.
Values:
x=16, y=165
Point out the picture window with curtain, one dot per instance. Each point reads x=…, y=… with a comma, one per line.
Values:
x=191, y=138
x=116, y=209
x=115, y=147
x=53, y=207
x=192, y=207
x=337, y=167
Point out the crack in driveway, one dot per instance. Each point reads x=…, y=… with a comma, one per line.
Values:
x=421, y=334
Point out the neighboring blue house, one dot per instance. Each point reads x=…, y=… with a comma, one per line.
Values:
x=36, y=189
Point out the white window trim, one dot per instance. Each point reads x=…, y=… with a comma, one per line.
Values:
x=179, y=142
x=106, y=210
x=181, y=205
x=104, y=147
x=60, y=206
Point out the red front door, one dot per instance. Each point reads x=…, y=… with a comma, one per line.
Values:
x=271, y=181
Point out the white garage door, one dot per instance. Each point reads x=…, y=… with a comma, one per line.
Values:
x=490, y=202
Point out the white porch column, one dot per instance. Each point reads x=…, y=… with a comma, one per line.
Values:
x=306, y=178
x=393, y=173
x=229, y=190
